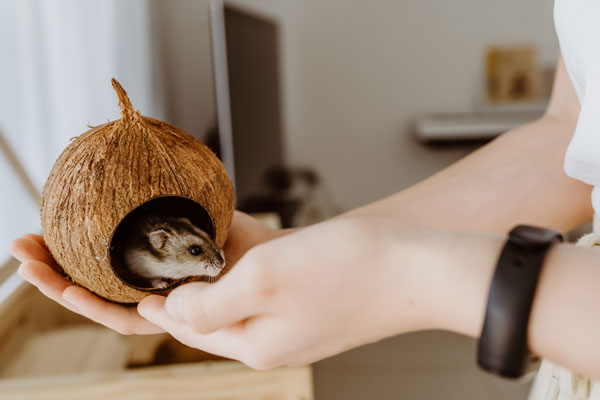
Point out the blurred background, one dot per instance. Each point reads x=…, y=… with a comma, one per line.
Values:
x=316, y=107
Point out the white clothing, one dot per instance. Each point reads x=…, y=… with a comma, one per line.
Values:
x=577, y=25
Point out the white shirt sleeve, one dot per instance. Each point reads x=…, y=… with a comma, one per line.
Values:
x=578, y=31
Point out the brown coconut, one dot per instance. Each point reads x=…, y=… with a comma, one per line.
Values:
x=112, y=170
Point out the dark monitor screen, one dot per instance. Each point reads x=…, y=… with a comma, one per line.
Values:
x=254, y=82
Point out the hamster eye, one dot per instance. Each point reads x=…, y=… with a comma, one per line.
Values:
x=195, y=250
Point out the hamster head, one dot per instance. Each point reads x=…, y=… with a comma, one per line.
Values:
x=184, y=249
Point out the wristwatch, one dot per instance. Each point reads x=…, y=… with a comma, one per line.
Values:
x=502, y=347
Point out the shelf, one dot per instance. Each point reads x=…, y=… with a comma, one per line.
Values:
x=485, y=124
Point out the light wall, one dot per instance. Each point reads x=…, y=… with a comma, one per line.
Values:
x=357, y=73
x=181, y=37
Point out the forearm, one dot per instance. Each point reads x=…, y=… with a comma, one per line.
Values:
x=564, y=322
x=517, y=178
x=563, y=325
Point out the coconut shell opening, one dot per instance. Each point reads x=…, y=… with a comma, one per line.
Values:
x=171, y=206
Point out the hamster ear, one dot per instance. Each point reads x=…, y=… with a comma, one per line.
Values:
x=158, y=238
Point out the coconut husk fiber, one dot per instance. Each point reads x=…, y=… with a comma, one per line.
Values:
x=110, y=171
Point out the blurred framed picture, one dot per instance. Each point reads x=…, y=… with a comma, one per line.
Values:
x=511, y=74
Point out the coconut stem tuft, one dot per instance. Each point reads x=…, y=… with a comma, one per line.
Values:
x=127, y=110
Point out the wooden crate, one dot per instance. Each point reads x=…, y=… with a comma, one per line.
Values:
x=47, y=352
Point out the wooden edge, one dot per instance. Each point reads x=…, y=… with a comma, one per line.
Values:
x=205, y=380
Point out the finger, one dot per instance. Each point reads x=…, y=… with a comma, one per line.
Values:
x=76, y=299
x=238, y=239
x=244, y=233
x=225, y=342
x=37, y=238
x=48, y=281
x=120, y=318
x=26, y=249
x=209, y=307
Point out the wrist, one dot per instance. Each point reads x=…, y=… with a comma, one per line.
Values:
x=461, y=267
x=439, y=279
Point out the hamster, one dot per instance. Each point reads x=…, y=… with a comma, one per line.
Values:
x=167, y=249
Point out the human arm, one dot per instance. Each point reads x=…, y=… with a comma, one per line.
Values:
x=563, y=323
x=351, y=281
x=517, y=178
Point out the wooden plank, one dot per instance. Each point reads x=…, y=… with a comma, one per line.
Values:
x=68, y=350
x=142, y=348
x=223, y=380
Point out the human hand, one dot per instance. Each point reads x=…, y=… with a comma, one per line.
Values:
x=304, y=296
x=39, y=268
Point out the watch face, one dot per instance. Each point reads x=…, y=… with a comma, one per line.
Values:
x=532, y=235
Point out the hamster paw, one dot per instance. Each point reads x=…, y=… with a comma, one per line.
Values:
x=158, y=283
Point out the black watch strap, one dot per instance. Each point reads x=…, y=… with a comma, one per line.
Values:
x=503, y=343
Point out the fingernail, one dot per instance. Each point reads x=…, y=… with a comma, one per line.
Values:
x=22, y=273
x=69, y=301
x=66, y=296
x=173, y=306
x=12, y=249
x=141, y=310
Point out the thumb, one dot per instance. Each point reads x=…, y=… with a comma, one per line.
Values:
x=175, y=299
x=210, y=307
